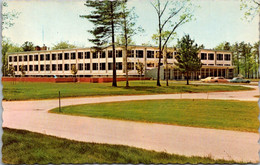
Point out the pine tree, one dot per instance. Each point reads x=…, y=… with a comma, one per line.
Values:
x=187, y=56
x=106, y=20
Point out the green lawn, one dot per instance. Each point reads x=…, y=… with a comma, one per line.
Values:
x=23, y=147
x=219, y=114
x=27, y=90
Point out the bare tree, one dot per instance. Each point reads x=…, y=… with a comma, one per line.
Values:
x=179, y=12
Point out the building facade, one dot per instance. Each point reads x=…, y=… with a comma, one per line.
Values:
x=92, y=64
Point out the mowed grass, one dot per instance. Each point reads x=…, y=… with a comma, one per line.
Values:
x=219, y=114
x=28, y=90
x=23, y=147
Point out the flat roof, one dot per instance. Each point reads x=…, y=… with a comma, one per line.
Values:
x=71, y=49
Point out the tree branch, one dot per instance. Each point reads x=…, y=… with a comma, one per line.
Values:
x=172, y=15
x=165, y=6
x=258, y=3
x=173, y=31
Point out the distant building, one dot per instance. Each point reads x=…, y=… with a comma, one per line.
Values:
x=91, y=63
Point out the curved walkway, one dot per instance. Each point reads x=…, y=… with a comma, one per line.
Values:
x=189, y=141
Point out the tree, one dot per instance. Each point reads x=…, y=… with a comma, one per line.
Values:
x=106, y=19
x=28, y=46
x=140, y=68
x=10, y=70
x=164, y=36
x=74, y=71
x=187, y=56
x=22, y=70
x=251, y=8
x=7, y=46
x=8, y=17
x=63, y=45
x=224, y=46
x=128, y=31
x=181, y=11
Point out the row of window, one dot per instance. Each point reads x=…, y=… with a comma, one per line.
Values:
x=72, y=56
x=59, y=67
x=210, y=56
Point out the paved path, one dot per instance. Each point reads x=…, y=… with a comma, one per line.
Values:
x=230, y=145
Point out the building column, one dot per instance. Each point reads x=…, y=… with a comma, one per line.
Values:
x=209, y=72
x=200, y=74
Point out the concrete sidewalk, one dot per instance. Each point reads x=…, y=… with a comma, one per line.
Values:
x=230, y=145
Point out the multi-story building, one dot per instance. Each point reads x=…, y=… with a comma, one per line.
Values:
x=91, y=63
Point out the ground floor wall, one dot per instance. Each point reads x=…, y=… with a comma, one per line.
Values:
x=69, y=79
x=175, y=74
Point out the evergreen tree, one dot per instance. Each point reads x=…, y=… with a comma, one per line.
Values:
x=106, y=19
x=63, y=45
x=187, y=56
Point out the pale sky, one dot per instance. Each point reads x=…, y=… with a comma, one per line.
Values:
x=216, y=21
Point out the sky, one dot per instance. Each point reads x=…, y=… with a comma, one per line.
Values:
x=51, y=21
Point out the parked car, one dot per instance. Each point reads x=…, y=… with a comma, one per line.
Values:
x=220, y=79
x=208, y=79
x=239, y=80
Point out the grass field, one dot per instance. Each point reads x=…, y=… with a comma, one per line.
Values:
x=23, y=147
x=27, y=90
x=219, y=114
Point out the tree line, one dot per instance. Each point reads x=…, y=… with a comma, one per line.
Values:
x=245, y=57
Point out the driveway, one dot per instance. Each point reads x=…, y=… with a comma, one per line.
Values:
x=189, y=141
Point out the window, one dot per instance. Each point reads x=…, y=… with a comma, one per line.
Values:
x=118, y=53
x=53, y=56
x=119, y=66
x=80, y=66
x=48, y=67
x=25, y=58
x=36, y=57
x=150, y=54
x=15, y=67
x=110, y=54
x=54, y=67
x=227, y=65
x=42, y=57
x=30, y=67
x=211, y=56
x=94, y=55
x=35, y=67
x=59, y=66
x=42, y=67
x=150, y=64
x=60, y=56
x=30, y=57
x=95, y=66
x=66, y=67
x=130, y=53
x=87, y=66
x=10, y=58
x=170, y=55
x=211, y=64
x=102, y=66
x=20, y=58
x=219, y=56
x=25, y=68
x=73, y=56
x=80, y=55
x=139, y=53
x=227, y=57
x=103, y=54
x=15, y=58
x=19, y=68
x=203, y=56
x=67, y=56
x=87, y=55
x=220, y=64
x=47, y=57
x=110, y=66
x=130, y=66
